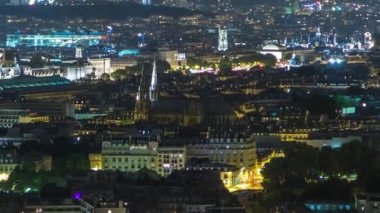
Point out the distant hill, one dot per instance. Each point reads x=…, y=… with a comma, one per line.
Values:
x=112, y=11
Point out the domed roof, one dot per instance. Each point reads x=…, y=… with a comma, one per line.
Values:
x=272, y=47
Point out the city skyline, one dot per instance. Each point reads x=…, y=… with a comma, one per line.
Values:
x=189, y=106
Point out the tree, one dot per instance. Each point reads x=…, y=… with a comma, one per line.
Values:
x=192, y=62
x=361, y=158
x=77, y=162
x=105, y=77
x=162, y=66
x=91, y=76
x=371, y=181
x=36, y=61
x=300, y=164
x=305, y=71
x=318, y=104
x=225, y=65
x=330, y=190
x=51, y=190
x=119, y=74
x=270, y=60
x=28, y=166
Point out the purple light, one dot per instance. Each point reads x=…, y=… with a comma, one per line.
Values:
x=77, y=195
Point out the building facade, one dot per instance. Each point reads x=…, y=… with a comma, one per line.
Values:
x=52, y=40
x=8, y=162
x=235, y=151
x=10, y=117
x=131, y=154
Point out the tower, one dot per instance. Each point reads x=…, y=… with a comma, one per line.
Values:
x=153, y=93
x=78, y=53
x=142, y=100
x=223, y=40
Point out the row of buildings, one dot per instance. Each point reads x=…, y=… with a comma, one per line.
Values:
x=234, y=157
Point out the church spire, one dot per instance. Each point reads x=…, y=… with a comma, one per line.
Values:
x=153, y=84
x=139, y=94
x=142, y=101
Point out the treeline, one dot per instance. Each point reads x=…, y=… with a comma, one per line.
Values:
x=307, y=173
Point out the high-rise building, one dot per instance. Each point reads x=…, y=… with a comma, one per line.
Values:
x=223, y=40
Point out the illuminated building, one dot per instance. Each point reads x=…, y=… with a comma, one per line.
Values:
x=233, y=157
x=15, y=112
x=171, y=158
x=230, y=178
x=374, y=57
x=116, y=118
x=153, y=85
x=146, y=94
x=223, y=40
x=130, y=154
x=229, y=175
x=53, y=40
x=275, y=50
x=281, y=52
x=16, y=139
x=75, y=71
x=237, y=151
x=100, y=66
x=8, y=68
x=367, y=202
x=95, y=161
x=171, y=56
x=78, y=53
x=8, y=162
x=9, y=72
x=42, y=72
x=55, y=110
x=10, y=116
x=25, y=83
x=323, y=206
x=183, y=113
x=121, y=63
x=33, y=118
x=128, y=52
x=68, y=205
x=111, y=207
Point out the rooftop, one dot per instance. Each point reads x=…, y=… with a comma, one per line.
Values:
x=25, y=82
